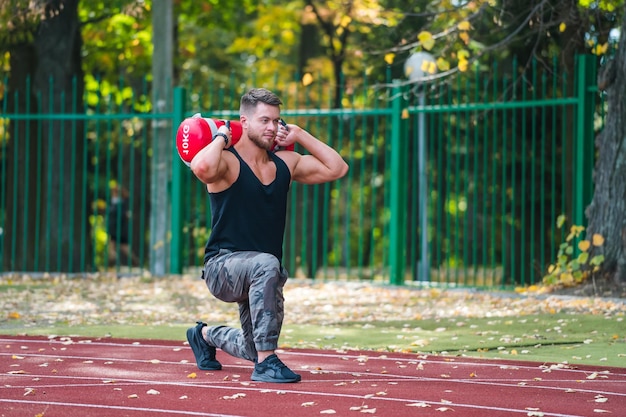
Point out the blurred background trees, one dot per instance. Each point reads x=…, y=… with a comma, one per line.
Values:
x=105, y=50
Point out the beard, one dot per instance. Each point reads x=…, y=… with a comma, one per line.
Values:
x=262, y=141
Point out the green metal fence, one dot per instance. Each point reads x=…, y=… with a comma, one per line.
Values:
x=502, y=162
x=457, y=182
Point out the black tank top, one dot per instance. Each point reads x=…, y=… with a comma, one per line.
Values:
x=250, y=216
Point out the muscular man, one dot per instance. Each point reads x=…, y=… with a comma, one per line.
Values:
x=248, y=185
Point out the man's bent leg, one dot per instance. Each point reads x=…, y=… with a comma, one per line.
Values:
x=267, y=302
x=231, y=341
x=233, y=277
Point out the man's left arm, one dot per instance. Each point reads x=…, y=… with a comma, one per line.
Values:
x=321, y=164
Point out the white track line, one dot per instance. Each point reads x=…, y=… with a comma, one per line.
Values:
x=97, y=358
x=117, y=407
x=359, y=373
x=328, y=394
x=387, y=377
x=235, y=385
x=373, y=355
x=239, y=387
x=489, y=363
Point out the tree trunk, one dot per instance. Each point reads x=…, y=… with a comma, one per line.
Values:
x=50, y=235
x=21, y=179
x=607, y=211
x=161, y=168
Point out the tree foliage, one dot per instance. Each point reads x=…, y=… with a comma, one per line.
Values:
x=462, y=33
x=19, y=20
x=308, y=43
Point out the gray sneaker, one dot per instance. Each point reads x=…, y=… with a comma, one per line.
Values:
x=204, y=353
x=273, y=369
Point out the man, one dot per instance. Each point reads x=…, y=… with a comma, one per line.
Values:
x=248, y=186
x=118, y=227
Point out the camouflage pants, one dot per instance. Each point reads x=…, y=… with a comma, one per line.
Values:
x=254, y=281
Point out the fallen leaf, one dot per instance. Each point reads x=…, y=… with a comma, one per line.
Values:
x=234, y=396
x=422, y=405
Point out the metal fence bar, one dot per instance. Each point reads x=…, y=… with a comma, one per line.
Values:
x=583, y=145
x=176, y=251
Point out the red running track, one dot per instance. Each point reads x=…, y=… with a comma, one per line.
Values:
x=71, y=377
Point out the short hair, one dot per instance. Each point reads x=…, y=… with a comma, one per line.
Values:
x=255, y=96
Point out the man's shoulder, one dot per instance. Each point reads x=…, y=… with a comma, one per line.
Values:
x=289, y=158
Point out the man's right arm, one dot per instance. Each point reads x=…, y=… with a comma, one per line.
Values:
x=209, y=165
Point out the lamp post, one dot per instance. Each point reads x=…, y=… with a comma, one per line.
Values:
x=416, y=67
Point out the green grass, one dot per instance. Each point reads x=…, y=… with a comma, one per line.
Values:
x=554, y=338
x=543, y=338
x=4, y=288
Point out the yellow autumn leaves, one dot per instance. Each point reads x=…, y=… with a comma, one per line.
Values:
x=426, y=42
x=596, y=240
x=596, y=49
x=571, y=266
